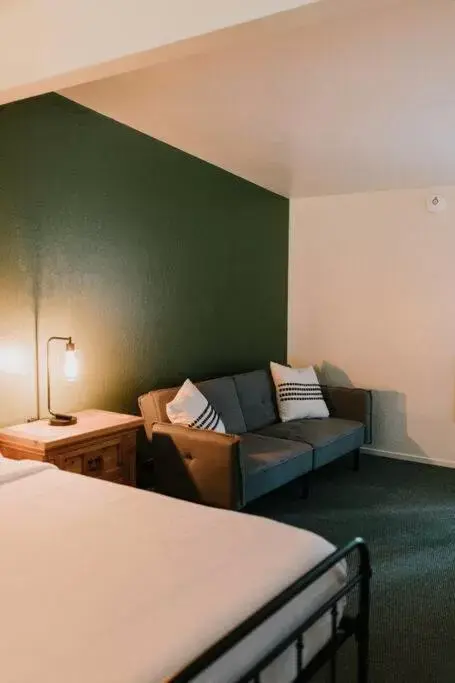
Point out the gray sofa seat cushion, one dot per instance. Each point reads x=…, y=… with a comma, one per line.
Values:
x=317, y=432
x=268, y=463
x=257, y=398
x=330, y=437
x=222, y=395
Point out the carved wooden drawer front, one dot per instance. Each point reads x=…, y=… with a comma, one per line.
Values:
x=113, y=460
x=70, y=463
x=93, y=464
x=100, y=461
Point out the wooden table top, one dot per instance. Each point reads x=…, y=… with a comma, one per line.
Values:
x=90, y=423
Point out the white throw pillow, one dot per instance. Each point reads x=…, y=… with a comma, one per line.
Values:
x=298, y=393
x=191, y=408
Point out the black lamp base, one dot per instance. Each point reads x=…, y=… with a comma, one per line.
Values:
x=62, y=420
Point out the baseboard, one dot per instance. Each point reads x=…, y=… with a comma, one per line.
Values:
x=368, y=450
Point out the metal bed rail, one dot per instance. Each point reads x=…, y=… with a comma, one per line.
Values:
x=341, y=629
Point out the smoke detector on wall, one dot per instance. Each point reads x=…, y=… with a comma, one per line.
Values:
x=436, y=203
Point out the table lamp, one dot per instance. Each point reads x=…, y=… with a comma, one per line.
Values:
x=70, y=370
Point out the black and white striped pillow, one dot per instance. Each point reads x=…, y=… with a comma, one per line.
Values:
x=298, y=393
x=191, y=408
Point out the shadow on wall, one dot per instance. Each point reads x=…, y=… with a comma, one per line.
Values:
x=333, y=375
x=390, y=431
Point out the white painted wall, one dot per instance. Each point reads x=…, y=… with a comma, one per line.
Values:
x=372, y=301
x=51, y=44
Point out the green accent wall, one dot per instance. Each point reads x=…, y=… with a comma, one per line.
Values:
x=159, y=265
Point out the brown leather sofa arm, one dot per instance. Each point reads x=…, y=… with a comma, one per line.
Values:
x=351, y=404
x=197, y=465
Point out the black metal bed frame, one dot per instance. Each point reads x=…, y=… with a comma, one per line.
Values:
x=349, y=625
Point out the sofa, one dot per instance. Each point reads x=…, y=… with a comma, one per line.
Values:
x=258, y=453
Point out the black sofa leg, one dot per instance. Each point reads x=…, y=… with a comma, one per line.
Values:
x=305, y=486
x=356, y=460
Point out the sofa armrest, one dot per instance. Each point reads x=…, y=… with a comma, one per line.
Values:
x=351, y=404
x=197, y=465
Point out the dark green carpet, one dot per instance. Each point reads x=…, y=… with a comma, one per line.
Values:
x=406, y=513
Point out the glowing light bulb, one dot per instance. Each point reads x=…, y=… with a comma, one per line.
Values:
x=71, y=365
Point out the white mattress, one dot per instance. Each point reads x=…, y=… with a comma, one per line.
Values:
x=101, y=583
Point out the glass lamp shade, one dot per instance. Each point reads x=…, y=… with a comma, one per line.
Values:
x=71, y=367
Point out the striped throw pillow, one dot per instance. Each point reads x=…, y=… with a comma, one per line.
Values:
x=191, y=409
x=298, y=393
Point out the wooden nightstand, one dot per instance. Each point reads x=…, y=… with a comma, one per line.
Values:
x=101, y=444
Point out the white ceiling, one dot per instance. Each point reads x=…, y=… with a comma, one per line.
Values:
x=337, y=97
x=49, y=44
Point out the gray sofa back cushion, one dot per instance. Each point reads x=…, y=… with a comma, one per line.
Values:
x=257, y=398
x=222, y=395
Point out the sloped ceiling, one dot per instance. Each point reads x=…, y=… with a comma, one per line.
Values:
x=347, y=97
x=47, y=44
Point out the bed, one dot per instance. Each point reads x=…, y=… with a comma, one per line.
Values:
x=103, y=583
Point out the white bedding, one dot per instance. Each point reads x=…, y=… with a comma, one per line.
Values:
x=101, y=583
